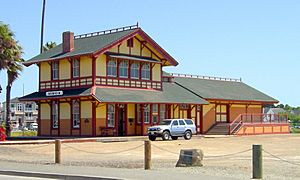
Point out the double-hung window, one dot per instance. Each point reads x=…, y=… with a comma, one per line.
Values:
x=123, y=69
x=55, y=70
x=111, y=115
x=135, y=71
x=75, y=68
x=146, y=113
x=54, y=115
x=75, y=113
x=112, y=68
x=19, y=107
x=155, y=113
x=162, y=112
x=146, y=71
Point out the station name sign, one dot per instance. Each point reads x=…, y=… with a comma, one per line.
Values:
x=54, y=93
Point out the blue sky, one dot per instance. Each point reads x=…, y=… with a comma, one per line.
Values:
x=258, y=41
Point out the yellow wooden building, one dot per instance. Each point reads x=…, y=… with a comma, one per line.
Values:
x=112, y=83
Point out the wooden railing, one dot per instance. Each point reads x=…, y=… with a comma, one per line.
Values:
x=235, y=125
x=127, y=82
x=256, y=119
x=66, y=83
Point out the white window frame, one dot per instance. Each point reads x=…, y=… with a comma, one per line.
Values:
x=146, y=113
x=111, y=115
x=135, y=71
x=54, y=115
x=145, y=71
x=162, y=113
x=55, y=70
x=75, y=68
x=123, y=69
x=155, y=117
x=75, y=114
x=19, y=107
x=28, y=108
x=111, y=68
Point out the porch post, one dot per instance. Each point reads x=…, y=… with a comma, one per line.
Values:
x=142, y=118
x=201, y=119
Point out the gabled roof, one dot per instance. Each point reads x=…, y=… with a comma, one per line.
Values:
x=223, y=90
x=98, y=44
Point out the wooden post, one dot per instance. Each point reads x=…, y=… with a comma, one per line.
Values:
x=57, y=151
x=147, y=155
x=257, y=168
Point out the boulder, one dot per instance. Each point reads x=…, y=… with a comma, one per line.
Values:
x=190, y=157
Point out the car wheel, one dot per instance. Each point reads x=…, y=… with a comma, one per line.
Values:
x=166, y=135
x=174, y=137
x=187, y=135
x=152, y=138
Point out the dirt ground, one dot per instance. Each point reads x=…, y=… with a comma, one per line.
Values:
x=223, y=156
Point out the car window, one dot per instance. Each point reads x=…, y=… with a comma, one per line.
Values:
x=189, y=122
x=165, y=122
x=175, y=123
x=181, y=122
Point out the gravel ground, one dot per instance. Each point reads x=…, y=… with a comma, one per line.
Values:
x=130, y=155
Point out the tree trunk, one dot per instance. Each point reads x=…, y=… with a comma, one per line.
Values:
x=8, y=122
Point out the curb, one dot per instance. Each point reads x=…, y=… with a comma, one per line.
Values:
x=52, y=175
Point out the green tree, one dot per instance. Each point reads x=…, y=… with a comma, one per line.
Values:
x=11, y=60
x=49, y=45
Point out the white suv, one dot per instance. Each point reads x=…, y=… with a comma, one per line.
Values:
x=173, y=128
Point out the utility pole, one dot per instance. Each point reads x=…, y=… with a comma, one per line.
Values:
x=42, y=26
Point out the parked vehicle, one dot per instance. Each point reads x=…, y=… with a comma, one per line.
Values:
x=173, y=128
x=33, y=126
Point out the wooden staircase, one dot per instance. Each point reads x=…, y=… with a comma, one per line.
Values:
x=219, y=129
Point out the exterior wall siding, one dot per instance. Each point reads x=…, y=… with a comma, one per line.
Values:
x=86, y=118
x=45, y=119
x=85, y=66
x=45, y=70
x=100, y=118
x=209, y=116
x=65, y=119
x=64, y=69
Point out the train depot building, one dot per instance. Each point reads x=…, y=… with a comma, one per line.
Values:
x=112, y=83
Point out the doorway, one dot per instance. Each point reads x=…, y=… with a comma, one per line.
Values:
x=121, y=120
x=221, y=113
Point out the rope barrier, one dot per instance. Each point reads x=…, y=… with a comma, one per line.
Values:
x=187, y=155
x=102, y=153
x=284, y=160
x=36, y=147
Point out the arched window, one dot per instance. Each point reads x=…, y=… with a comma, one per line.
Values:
x=112, y=68
x=123, y=69
x=75, y=113
x=134, y=71
x=146, y=71
x=111, y=115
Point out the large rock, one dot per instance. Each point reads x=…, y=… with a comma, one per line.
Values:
x=190, y=157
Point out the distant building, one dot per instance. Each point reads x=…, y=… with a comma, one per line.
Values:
x=21, y=113
x=272, y=112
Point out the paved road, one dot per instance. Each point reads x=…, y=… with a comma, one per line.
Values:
x=5, y=177
x=115, y=173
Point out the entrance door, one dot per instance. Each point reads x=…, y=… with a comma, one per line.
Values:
x=121, y=120
x=221, y=113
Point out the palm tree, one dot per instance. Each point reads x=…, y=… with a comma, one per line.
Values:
x=49, y=45
x=11, y=60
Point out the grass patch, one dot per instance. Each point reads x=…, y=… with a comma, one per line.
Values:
x=25, y=133
x=295, y=130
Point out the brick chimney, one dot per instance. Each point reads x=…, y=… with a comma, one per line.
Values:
x=68, y=41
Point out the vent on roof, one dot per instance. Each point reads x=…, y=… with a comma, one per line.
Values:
x=68, y=41
x=206, y=77
x=107, y=31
